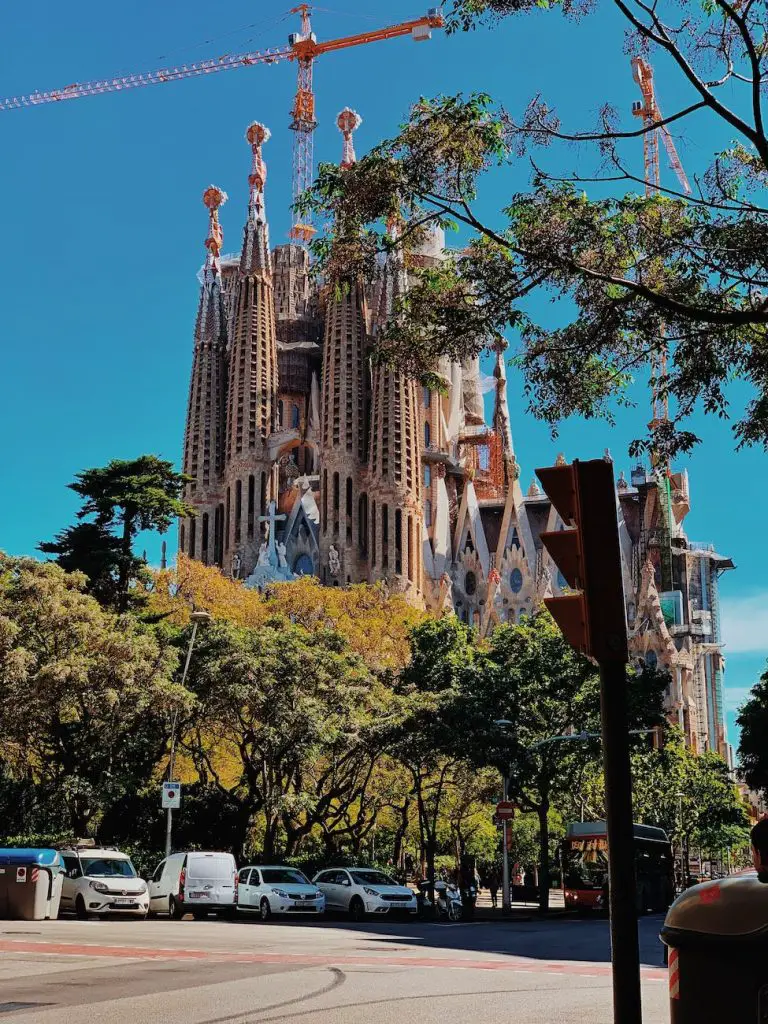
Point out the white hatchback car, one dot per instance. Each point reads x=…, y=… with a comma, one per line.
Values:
x=101, y=881
x=277, y=890
x=361, y=891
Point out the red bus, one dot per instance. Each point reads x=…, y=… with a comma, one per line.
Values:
x=585, y=867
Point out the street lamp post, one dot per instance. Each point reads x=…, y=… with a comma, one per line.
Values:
x=506, y=898
x=198, y=617
x=683, y=864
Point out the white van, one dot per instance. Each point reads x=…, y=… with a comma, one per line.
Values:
x=194, y=883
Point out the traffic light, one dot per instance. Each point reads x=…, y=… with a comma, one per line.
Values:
x=592, y=618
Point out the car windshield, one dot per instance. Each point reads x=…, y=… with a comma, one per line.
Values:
x=372, y=878
x=284, y=875
x=108, y=867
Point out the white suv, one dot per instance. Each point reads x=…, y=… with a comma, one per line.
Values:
x=361, y=891
x=101, y=881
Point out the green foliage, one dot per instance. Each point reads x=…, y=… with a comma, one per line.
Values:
x=753, y=747
x=638, y=274
x=84, y=695
x=125, y=497
x=283, y=724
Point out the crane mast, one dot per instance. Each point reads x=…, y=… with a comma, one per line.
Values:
x=303, y=47
x=651, y=116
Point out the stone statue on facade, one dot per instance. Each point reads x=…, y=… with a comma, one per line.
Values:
x=236, y=563
x=282, y=560
x=334, y=562
x=263, y=554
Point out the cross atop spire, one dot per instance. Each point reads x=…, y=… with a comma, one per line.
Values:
x=255, y=255
x=348, y=122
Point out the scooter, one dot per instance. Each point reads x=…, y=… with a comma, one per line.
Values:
x=448, y=899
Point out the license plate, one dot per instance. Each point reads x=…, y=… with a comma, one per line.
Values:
x=198, y=895
x=121, y=900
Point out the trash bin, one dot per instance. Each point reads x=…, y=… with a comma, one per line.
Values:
x=30, y=884
x=717, y=934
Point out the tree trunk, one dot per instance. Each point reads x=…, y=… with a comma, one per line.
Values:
x=542, y=812
x=402, y=828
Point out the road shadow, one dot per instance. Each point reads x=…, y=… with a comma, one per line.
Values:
x=559, y=938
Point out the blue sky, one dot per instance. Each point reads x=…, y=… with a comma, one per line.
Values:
x=103, y=232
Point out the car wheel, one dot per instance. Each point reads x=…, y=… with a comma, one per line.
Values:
x=175, y=912
x=265, y=911
x=357, y=909
x=80, y=909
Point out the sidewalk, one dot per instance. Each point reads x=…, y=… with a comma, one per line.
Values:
x=485, y=911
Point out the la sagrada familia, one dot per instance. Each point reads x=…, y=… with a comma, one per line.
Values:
x=306, y=458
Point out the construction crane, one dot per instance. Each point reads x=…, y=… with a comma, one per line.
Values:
x=651, y=115
x=303, y=47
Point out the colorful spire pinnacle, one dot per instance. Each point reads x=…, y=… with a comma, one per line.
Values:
x=255, y=256
x=213, y=198
x=348, y=122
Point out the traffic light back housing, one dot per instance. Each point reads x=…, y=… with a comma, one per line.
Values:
x=593, y=617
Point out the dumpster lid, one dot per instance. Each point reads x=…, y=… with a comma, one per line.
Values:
x=734, y=906
x=14, y=856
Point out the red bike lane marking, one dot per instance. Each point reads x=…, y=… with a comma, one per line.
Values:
x=583, y=969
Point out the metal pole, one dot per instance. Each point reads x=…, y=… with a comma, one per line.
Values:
x=506, y=902
x=169, y=810
x=625, y=949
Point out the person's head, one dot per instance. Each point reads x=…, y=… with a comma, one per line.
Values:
x=759, y=837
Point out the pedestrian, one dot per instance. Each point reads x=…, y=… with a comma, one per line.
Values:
x=493, y=885
x=759, y=837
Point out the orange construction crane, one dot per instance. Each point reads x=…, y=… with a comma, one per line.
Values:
x=649, y=111
x=303, y=47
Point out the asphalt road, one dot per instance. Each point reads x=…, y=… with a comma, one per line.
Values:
x=329, y=972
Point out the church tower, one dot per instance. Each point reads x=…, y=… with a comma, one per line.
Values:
x=344, y=418
x=202, y=536
x=394, y=492
x=252, y=393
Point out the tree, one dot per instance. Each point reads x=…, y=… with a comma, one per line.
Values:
x=281, y=725
x=644, y=274
x=125, y=497
x=427, y=737
x=753, y=746
x=529, y=676
x=374, y=623
x=85, y=696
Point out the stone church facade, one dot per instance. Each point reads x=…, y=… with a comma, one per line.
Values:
x=306, y=458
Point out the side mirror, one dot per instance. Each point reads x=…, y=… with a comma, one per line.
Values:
x=346, y=882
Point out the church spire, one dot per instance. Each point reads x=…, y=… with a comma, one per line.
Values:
x=344, y=411
x=204, y=439
x=395, y=453
x=501, y=420
x=253, y=379
x=255, y=255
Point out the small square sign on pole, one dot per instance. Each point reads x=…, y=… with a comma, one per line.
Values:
x=171, y=794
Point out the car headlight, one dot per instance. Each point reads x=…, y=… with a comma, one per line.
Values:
x=370, y=892
x=142, y=890
x=319, y=895
x=99, y=887
x=281, y=893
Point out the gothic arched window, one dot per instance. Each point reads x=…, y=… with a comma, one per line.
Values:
x=427, y=435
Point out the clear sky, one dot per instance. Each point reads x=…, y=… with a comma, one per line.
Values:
x=103, y=233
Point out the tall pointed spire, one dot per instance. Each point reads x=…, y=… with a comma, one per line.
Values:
x=501, y=420
x=253, y=383
x=395, y=454
x=344, y=414
x=255, y=254
x=204, y=440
